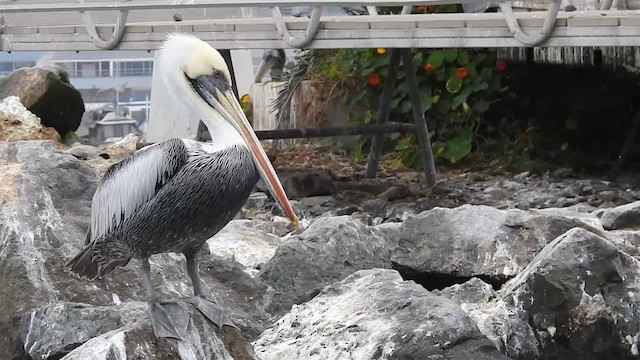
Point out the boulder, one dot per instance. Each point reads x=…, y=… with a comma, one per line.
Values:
x=121, y=332
x=621, y=217
x=47, y=93
x=17, y=123
x=375, y=314
x=244, y=242
x=479, y=240
x=330, y=249
x=578, y=298
x=45, y=197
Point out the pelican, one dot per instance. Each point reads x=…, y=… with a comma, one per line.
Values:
x=174, y=195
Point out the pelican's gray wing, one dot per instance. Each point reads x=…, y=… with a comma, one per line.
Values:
x=132, y=182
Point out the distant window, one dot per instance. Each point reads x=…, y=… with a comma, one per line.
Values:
x=134, y=68
x=105, y=69
x=88, y=69
x=140, y=95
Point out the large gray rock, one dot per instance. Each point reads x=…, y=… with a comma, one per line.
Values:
x=330, y=249
x=244, y=242
x=479, y=240
x=120, y=332
x=45, y=197
x=375, y=314
x=621, y=217
x=577, y=299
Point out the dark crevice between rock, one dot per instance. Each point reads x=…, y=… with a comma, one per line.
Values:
x=438, y=281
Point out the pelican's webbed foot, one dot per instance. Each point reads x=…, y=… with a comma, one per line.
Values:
x=169, y=318
x=211, y=311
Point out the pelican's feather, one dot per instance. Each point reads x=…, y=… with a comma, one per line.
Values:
x=132, y=182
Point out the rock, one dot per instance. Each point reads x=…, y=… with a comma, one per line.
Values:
x=257, y=200
x=580, y=297
x=374, y=314
x=328, y=251
x=85, y=152
x=396, y=192
x=17, y=123
x=241, y=241
x=55, y=330
x=47, y=93
x=303, y=183
x=471, y=292
x=621, y=217
x=347, y=210
x=45, y=197
x=113, y=153
x=80, y=332
x=472, y=240
x=315, y=201
x=563, y=173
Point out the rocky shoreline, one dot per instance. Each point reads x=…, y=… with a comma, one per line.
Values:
x=520, y=267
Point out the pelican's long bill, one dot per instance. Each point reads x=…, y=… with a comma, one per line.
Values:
x=224, y=101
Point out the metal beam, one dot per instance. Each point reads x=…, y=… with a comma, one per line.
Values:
x=201, y=4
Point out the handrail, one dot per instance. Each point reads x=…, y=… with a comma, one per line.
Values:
x=536, y=38
x=118, y=31
x=286, y=35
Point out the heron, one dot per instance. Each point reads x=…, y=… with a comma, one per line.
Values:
x=174, y=195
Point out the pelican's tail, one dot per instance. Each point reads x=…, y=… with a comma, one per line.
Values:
x=98, y=259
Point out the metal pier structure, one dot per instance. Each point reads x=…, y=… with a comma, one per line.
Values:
x=143, y=24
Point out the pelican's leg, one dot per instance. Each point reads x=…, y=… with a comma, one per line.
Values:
x=207, y=307
x=163, y=313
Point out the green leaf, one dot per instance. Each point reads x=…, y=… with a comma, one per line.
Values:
x=486, y=73
x=481, y=106
x=463, y=58
x=436, y=58
x=426, y=99
x=458, y=146
x=459, y=99
x=454, y=84
x=450, y=55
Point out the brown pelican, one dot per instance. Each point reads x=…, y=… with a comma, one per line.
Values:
x=174, y=195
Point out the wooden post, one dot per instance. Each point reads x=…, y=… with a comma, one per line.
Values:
x=383, y=113
x=202, y=134
x=422, y=133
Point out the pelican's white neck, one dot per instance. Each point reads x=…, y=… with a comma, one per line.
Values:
x=223, y=134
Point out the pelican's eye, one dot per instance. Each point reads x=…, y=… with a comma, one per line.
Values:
x=219, y=75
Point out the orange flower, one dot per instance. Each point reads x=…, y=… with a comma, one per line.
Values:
x=429, y=67
x=381, y=51
x=374, y=79
x=420, y=8
x=462, y=72
x=501, y=65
